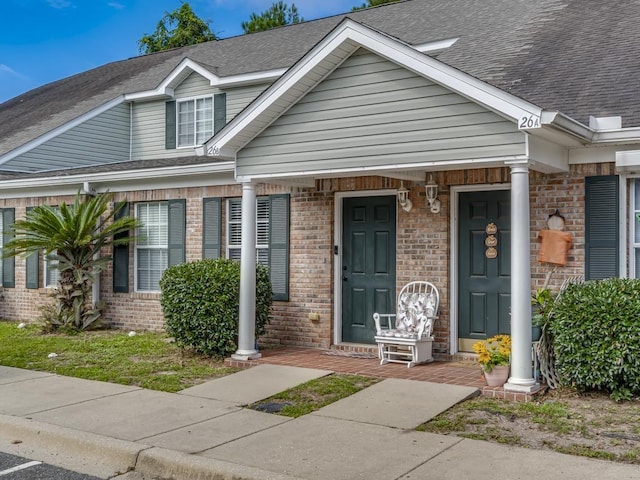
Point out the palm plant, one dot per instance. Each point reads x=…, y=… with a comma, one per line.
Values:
x=74, y=237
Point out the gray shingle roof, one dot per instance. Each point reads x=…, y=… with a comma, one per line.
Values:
x=576, y=56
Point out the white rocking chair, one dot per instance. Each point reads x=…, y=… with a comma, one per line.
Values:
x=409, y=340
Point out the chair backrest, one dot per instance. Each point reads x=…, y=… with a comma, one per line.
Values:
x=417, y=306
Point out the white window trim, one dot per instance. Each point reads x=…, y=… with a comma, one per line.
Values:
x=1, y=244
x=238, y=247
x=195, y=132
x=46, y=266
x=630, y=230
x=137, y=246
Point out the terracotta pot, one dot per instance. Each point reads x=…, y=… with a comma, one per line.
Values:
x=497, y=376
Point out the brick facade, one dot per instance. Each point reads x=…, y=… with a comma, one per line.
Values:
x=423, y=248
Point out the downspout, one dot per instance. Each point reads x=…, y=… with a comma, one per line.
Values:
x=87, y=189
x=130, y=131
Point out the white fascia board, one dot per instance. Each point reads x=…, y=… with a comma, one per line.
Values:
x=628, y=161
x=166, y=88
x=595, y=136
x=380, y=170
x=171, y=176
x=624, y=135
x=568, y=125
x=403, y=54
x=251, y=78
x=61, y=129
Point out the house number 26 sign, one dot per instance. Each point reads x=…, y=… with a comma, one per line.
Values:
x=491, y=241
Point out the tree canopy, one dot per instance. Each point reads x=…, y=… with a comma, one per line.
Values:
x=373, y=3
x=175, y=29
x=276, y=15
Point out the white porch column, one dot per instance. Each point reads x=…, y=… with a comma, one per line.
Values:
x=247, y=322
x=521, y=379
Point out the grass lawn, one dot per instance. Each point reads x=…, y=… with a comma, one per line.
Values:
x=147, y=359
x=589, y=425
x=314, y=394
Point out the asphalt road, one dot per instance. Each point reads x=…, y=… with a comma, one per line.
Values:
x=19, y=468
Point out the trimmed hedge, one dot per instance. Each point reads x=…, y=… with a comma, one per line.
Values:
x=596, y=331
x=200, y=303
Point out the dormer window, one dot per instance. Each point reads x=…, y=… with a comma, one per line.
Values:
x=194, y=121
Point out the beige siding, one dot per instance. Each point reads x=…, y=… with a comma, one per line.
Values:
x=238, y=98
x=194, y=85
x=149, y=117
x=102, y=139
x=371, y=112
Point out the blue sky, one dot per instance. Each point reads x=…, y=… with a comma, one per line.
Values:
x=46, y=40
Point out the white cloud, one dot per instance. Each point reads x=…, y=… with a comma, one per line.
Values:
x=116, y=5
x=59, y=4
x=6, y=70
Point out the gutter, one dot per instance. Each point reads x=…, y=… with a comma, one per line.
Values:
x=144, y=174
x=587, y=134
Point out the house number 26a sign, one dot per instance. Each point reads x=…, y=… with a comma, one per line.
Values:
x=528, y=121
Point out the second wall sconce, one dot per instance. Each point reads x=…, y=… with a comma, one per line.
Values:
x=431, y=189
x=403, y=198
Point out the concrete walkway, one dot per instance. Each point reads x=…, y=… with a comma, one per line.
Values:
x=202, y=433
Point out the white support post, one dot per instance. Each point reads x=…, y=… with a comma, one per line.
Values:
x=521, y=379
x=247, y=322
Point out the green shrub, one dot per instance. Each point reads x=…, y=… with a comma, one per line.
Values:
x=596, y=331
x=200, y=302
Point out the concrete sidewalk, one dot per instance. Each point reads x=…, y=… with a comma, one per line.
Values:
x=107, y=430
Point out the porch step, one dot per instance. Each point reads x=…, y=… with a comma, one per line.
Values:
x=356, y=348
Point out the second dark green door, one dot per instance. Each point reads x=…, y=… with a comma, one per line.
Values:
x=368, y=264
x=484, y=275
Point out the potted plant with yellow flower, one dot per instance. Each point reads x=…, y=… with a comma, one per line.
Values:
x=494, y=355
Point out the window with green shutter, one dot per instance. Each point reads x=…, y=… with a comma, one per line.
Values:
x=121, y=256
x=272, y=238
x=602, y=227
x=211, y=227
x=161, y=241
x=8, y=265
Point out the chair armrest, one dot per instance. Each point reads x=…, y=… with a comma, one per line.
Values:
x=377, y=317
x=426, y=326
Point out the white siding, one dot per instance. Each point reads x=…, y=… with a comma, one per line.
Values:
x=372, y=112
x=102, y=139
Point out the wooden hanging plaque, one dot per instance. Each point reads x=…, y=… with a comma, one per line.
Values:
x=491, y=252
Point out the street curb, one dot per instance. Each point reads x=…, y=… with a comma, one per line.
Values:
x=64, y=447
x=173, y=465
x=106, y=457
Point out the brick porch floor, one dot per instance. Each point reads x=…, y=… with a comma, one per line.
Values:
x=456, y=373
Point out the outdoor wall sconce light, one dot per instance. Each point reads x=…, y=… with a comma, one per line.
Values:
x=432, y=195
x=403, y=198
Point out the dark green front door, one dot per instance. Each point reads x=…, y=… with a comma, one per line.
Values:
x=368, y=264
x=484, y=266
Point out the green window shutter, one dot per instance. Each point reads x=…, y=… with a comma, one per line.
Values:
x=121, y=257
x=177, y=229
x=602, y=227
x=219, y=111
x=8, y=264
x=170, y=125
x=211, y=227
x=32, y=266
x=279, y=245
